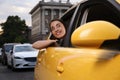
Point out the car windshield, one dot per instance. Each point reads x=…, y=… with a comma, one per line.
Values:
x=24, y=48
x=8, y=48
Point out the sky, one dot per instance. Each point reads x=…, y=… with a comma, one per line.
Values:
x=20, y=8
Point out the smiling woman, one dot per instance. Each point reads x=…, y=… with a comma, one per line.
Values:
x=58, y=31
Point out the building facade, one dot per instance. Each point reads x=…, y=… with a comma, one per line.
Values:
x=42, y=14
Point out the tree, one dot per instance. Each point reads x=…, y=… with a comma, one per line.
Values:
x=15, y=30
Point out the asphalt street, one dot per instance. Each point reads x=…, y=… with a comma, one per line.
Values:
x=22, y=74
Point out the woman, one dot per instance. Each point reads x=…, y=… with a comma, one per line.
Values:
x=58, y=30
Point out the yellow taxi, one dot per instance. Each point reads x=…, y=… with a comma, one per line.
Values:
x=90, y=49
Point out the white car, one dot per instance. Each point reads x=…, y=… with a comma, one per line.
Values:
x=22, y=56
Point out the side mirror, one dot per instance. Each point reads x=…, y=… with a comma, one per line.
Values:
x=93, y=34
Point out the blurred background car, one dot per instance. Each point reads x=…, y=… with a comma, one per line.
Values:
x=22, y=56
x=5, y=50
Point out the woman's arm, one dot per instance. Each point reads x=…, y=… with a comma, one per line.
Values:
x=42, y=44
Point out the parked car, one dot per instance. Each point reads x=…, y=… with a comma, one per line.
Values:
x=5, y=50
x=22, y=56
x=79, y=57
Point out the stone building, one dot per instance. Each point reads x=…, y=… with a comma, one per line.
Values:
x=42, y=14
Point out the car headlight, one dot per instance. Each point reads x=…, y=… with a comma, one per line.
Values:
x=17, y=57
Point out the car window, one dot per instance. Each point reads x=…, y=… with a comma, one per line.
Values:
x=24, y=48
x=100, y=12
x=106, y=14
x=8, y=48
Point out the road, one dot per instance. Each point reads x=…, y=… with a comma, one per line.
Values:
x=22, y=74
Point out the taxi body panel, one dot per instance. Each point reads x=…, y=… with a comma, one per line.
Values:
x=74, y=63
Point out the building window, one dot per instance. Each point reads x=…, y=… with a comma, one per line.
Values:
x=55, y=13
x=47, y=18
x=46, y=12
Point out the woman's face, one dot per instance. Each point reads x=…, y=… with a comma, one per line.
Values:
x=58, y=29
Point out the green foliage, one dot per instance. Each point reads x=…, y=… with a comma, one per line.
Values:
x=15, y=30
